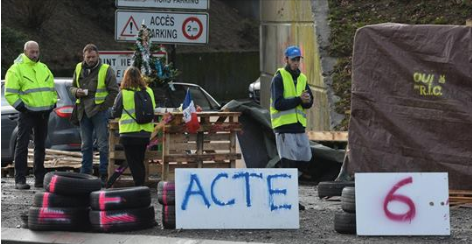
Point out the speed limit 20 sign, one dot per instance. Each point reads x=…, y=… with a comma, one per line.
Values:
x=165, y=27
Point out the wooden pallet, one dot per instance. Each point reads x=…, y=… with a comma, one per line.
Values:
x=213, y=146
x=460, y=197
x=54, y=159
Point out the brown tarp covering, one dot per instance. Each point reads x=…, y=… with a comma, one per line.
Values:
x=411, y=108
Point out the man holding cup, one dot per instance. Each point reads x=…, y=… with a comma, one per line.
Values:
x=94, y=85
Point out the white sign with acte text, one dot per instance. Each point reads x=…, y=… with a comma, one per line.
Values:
x=236, y=199
x=165, y=27
x=121, y=60
x=402, y=204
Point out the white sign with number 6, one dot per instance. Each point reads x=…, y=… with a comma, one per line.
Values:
x=402, y=204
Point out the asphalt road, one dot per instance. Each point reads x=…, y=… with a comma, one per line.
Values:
x=316, y=223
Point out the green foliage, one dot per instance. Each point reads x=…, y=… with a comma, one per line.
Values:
x=36, y=12
x=12, y=45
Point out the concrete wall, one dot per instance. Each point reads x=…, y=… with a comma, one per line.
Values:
x=286, y=23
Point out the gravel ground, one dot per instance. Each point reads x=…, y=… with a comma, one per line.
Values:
x=316, y=223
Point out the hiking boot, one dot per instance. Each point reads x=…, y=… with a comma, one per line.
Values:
x=22, y=186
x=38, y=184
x=301, y=207
x=104, y=179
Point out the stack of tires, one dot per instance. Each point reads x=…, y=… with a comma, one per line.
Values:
x=65, y=205
x=345, y=222
x=332, y=188
x=166, y=197
x=121, y=209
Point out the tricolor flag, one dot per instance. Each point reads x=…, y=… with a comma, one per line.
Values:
x=190, y=114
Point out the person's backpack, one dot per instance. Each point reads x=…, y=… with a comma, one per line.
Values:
x=143, y=107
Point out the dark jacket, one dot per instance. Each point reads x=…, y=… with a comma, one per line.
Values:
x=281, y=103
x=87, y=104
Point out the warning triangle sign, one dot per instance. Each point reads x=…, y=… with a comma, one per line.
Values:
x=131, y=28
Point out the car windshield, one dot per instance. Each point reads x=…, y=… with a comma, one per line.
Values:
x=174, y=96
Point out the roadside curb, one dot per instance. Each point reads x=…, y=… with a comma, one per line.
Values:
x=13, y=236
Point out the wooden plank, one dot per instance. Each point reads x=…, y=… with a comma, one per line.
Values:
x=59, y=152
x=205, y=114
x=183, y=146
x=204, y=128
x=217, y=137
x=460, y=192
x=328, y=135
x=217, y=146
x=172, y=167
x=203, y=157
x=460, y=199
x=183, y=138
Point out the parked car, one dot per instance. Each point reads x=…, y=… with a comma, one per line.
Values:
x=62, y=135
x=173, y=94
x=255, y=90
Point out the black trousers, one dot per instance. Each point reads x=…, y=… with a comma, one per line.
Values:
x=38, y=124
x=135, y=149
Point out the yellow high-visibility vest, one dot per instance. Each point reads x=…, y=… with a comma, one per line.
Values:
x=291, y=116
x=31, y=83
x=101, y=92
x=127, y=123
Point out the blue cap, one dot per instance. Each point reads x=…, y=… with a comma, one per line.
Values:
x=293, y=52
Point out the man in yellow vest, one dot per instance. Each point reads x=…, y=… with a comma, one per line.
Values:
x=94, y=85
x=290, y=97
x=29, y=88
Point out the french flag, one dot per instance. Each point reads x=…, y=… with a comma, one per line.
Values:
x=190, y=114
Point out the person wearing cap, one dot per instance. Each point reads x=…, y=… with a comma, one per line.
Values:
x=290, y=98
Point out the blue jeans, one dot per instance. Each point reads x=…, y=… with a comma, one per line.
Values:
x=99, y=124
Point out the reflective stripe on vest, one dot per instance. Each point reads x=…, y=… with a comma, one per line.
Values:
x=291, y=116
x=31, y=83
x=101, y=91
x=128, y=124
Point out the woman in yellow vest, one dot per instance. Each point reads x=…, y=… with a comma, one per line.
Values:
x=133, y=136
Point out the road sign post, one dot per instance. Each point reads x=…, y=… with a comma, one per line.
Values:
x=166, y=27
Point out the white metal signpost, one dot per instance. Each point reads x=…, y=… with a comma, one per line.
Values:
x=402, y=204
x=121, y=60
x=175, y=4
x=236, y=199
x=166, y=27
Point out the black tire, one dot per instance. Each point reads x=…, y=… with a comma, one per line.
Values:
x=51, y=200
x=166, y=192
x=65, y=219
x=348, y=199
x=122, y=220
x=345, y=223
x=168, y=216
x=125, y=198
x=71, y=184
x=332, y=188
